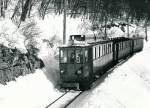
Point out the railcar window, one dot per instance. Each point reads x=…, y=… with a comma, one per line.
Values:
x=71, y=56
x=121, y=46
x=93, y=52
x=106, y=49
x=103, y=49
x=86, y=55
x=128, y=44
x=63, y=56
x=79, y=56
x=109, y=47
x=97, y=51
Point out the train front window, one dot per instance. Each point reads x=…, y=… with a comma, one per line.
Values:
x=63, y=56
x=71, y=56
x=79, y=56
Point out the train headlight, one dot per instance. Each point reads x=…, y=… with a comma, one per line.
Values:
x=79, y=72
x=62, y=71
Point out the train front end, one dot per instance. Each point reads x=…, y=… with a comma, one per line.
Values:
x=75, y=67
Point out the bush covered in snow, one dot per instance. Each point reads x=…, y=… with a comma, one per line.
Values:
x=14, y=63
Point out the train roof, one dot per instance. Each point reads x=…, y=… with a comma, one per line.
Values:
x=81, y=44
x=86, y=44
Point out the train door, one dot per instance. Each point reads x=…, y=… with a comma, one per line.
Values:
x=115, y=51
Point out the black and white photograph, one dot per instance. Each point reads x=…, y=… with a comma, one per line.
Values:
x=74, y=54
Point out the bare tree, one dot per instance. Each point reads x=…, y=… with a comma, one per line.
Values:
x=30, y=31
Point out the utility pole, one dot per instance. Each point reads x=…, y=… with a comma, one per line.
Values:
x=105, y=26
x=64, y=23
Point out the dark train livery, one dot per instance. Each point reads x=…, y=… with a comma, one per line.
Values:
x=80, y=64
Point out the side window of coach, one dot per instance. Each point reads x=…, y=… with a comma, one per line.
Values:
x=94, y=53
x=63, y=56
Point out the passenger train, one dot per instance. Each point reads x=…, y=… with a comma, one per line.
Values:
x=81, y=62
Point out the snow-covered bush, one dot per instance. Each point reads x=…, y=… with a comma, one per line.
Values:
x=14, y=63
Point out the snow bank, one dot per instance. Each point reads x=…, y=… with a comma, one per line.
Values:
x=31, y=91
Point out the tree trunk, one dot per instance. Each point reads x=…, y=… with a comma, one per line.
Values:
x=64, y=23
x=105, y=27
x=2, y=8
x=25, y=10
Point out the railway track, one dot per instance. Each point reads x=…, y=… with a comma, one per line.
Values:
x=56, y=99
x=73, y=100
x=65, y=99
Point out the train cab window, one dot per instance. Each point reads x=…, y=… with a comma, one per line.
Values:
x=79, y=56
x=63, y=56
x=71, y=56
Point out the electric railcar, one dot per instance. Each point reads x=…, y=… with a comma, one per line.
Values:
x=81, y=64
